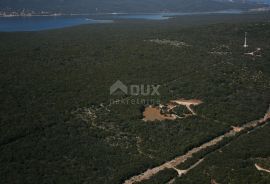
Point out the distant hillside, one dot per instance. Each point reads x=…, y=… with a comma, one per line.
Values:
x=261, y=1
x=90, y=6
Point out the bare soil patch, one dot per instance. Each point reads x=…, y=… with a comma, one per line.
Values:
x=154, y=114
x=166, y=112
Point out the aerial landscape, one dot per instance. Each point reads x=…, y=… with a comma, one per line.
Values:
x=135, y=91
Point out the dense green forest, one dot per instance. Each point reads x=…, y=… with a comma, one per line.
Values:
x=54, y=85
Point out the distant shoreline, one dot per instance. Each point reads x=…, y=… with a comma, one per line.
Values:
x=6, y=15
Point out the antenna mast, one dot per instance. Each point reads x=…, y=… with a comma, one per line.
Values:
x=245, y=44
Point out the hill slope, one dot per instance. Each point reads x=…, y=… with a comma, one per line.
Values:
x=124, y=5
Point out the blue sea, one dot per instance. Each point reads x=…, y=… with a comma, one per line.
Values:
x=38, y=23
